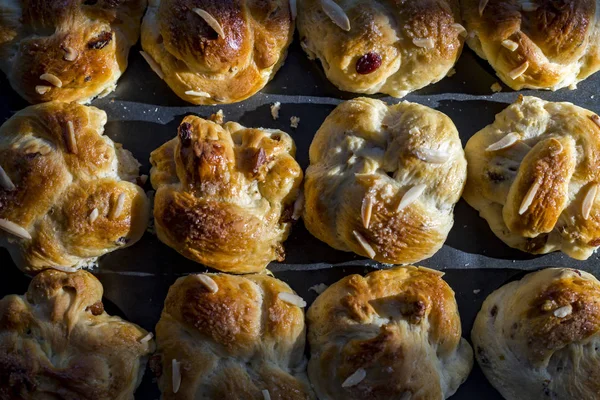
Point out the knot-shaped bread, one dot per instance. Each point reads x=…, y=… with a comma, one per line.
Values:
x=392, y=47
x=225, y=194
x=212, y=52
x=57, y=341
x=536, y=44
x=231, y=337
x=66, y=191
x=533, y=175
x=538, y=338
x=394, y=334
x=69, y=50
x=383, y=180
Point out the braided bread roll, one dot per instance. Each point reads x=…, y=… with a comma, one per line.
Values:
x=533, y=175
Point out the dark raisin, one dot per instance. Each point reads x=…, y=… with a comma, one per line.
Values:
x=96, y=309
x=494, y=311
x=259, y=158
x=100, y=41
x=87, y=78
x=483, y=358
x=185, y=134
x=155, y=364
x=368, y=63
x=495, y=177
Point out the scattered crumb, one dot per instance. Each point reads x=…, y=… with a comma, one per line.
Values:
x=275, y=110
x=141, y=180
x=452, y=72
x=476, y=291
x=218, y=117
x=496, y=87
x=294, y=121
x=572, y=86
x=318, y=288
x=467, y=264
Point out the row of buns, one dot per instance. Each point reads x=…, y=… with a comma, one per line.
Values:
x=222, y=52
x=382, y=183
x=392, y=334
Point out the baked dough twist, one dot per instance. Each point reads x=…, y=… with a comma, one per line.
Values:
x=392, y=335
x=65, y=198
x=225, y=194
x=393, y=47
x=231, y=337
x=57, y=341
x=68, y=50
x=533, y=175
x=383, y=180
x=538, y=338
x=536, y=44
x=212, y=52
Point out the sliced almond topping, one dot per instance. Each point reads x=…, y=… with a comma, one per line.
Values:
x=432, y=271
x=208, y=282
x=357, y=377
x=42, y=89
x=70, y=54
x=119, y=207
x=293, y=8
x=71, y=140
x=298, y=207
x=14, y=229
x=153, y=65
x=147, y=338
x=461, y=30
x=411, y=196
x=528, y=199
x=5, y=181
x=505, y=142
x=414, y=131
x=292, y=299
x=426, y=43
x=563, y=311
x=53, y=79
x=482, y=6
x=588, y=201
x=210, y=20
x=529, y=6
x=365, y=211
x=176, y=377
x=433, y=156
x=365, y=245
x=509, y=44
x=65, y=269
x=336, y=13
x=94, y=215
x=197, y=93
x=520, y=70
x=266, y=394
x=596, y=119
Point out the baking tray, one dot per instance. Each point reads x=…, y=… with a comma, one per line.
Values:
x=143, y=113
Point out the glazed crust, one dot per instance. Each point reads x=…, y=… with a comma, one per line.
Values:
x=368, y=152
x=387, y=29
x=225, y=194
x=234, y=343
x=83, y=43
x=557, y=152
x=56, y=341
x=400, y=325
x=193, y=57
x=58, y=184
x=559, y=40
x=538, y=338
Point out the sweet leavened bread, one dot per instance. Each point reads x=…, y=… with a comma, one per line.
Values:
x=536, y=44
x=212, y=52
x=383, y=180
x=538, y=338
x=66, y=195
x=393, y=334
x=70, y=50
x=57, y=342
x=533, y=175
x=392, y=47
x=231, y=337
x=225, y=194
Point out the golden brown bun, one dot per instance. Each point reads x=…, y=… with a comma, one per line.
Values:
x=225, y=194
x=82, y=43
x=414, y=42
x=553, y=163
x=56, y=342
x=538, y=338
x=368, y=156
x=59, y=182
x=192, y=56
x=401, y=326
x=555, y=43
x=231, y=344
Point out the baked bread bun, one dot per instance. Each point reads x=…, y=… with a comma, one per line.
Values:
x=538, y=338
x=69, y=50
x=225, y=194
x=392, y=47
x=536, y=44
x=65, y=191
x=212, y=52
x=383, y=180
x=57, y=342
x=393, y=335
x=231, y=337
x=533, y=175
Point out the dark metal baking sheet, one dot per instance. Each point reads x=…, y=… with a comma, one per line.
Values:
x=143, y=113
